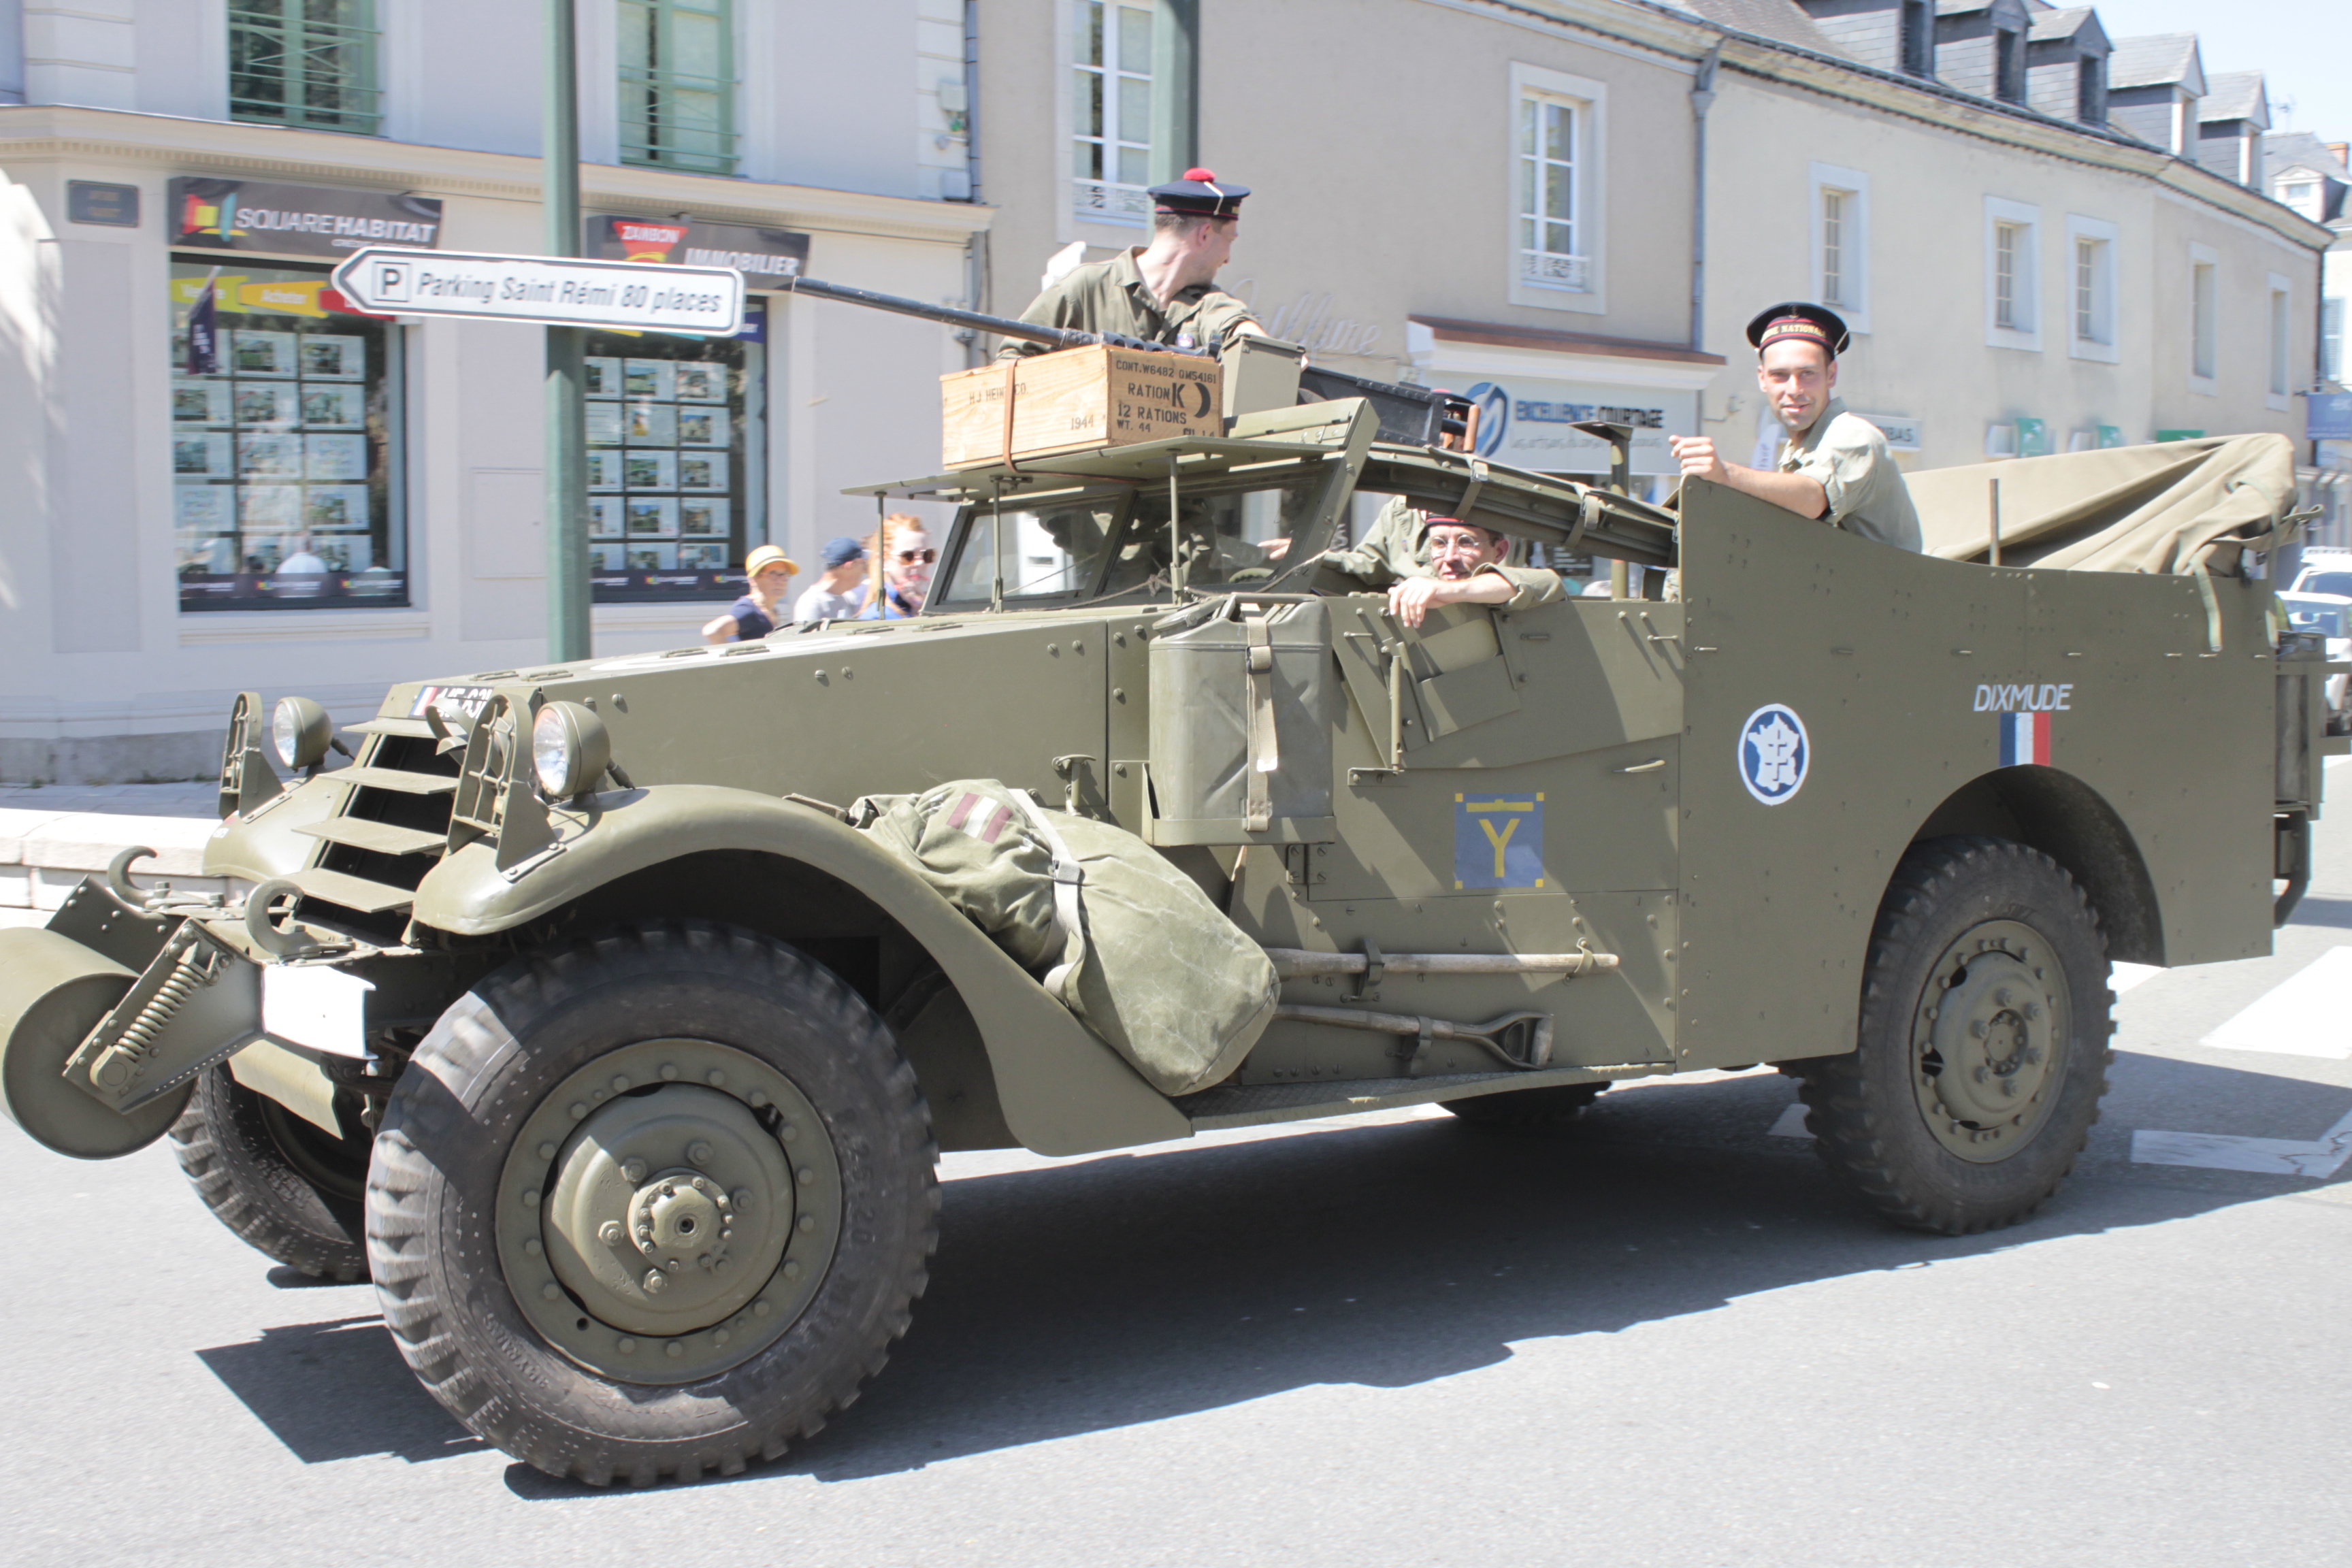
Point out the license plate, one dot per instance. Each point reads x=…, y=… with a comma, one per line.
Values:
x=316, y=1005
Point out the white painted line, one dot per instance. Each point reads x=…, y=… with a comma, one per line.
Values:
x=2122, y=977
x=2269, y=1156
x=1791, y=1124
x=2307, y=1014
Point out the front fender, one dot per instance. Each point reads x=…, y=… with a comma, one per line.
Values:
x=1064, y=1092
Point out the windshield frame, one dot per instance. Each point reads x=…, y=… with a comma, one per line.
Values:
x=971, y=528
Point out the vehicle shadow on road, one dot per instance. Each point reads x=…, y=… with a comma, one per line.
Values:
x=1133, y=1288
x=338, y=1390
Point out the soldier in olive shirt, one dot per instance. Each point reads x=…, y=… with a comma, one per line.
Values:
x=1444, y=562
x=1164, y=292
x=1835, y=465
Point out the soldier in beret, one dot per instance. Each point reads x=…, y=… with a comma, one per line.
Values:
x=1835, y=465
x=1164, y=292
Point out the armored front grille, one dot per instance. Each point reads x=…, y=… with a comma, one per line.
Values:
x=392, y=830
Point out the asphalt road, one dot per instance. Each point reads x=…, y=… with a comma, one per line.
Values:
x=1662, y=1337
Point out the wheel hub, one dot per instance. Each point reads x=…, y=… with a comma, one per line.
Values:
x=643, y=1225
x=669, y=1210
x=1990, y=1040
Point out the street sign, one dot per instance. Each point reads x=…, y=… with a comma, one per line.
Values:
x=552, y=290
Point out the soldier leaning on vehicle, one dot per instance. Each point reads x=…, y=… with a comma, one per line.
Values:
x=1164, y=292
x=1835, y=465
x=1423, y=561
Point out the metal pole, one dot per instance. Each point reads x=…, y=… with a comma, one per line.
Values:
x=1175, y=89
x=568, y=633
x=1992, y=547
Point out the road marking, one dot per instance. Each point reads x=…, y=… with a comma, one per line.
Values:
x=2303, y=1015
x=2315, y=1162
x=1791, y=1124
x=2122, y=977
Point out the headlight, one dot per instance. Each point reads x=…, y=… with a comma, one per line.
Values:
x=570, y=750
x=301, y=730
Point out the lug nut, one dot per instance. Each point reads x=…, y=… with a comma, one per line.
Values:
x=698, y=1152
x=625, y=1344
x=741, y=1197
x=1977, y=1028
x=673, y=1348
x=670, y=1072
x=656, y=1281
x=609, y=1233
x=633, y=1171
x=531, y=1247
x=620, y=1083
x=546, y=1151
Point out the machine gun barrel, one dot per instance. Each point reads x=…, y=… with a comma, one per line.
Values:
x=1413, y=415
x=980, y=320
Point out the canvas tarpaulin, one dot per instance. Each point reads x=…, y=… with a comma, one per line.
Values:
x=2165, y=509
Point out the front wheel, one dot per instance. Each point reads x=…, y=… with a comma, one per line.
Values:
x=285, y=1187
x=1983, y=1037
x=653, y=1205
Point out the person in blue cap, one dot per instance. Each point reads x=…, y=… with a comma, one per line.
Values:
x=839, y=592
x=1834, y=465
x=1164, y=292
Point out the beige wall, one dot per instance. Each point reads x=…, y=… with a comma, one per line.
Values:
x=1377, y=136
x=1927, y=355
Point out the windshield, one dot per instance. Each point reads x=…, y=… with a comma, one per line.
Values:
x=2328, y=620
x=1116, y=544
x=2325, y=583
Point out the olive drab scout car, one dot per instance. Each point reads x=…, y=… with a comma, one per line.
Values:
x=590, y=1011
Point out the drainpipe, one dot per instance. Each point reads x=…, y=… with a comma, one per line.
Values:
x=975, y=245
x=1702, y=99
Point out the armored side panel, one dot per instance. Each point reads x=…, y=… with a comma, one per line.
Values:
x=1239, y=701
x=1845, y=698
x=1502, y=784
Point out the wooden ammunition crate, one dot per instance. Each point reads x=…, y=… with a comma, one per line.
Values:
x=1076, y=400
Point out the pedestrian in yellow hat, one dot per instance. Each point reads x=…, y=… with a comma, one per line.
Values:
x=769, y=571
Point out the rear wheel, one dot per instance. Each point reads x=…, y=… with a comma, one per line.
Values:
x=287, y=1189
x=1982, y=1042
x=706, y=1178
x=1554, y=1105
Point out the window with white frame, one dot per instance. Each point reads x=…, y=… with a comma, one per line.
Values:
x=2303, y=195
x=1549, y=254
x=1111, y=105
x=1555, y=190
x=2204, y=316
x=2012, y=274
x=1841, y=242
x=2091, y=288
x=2331, y=340
x=2282, y=340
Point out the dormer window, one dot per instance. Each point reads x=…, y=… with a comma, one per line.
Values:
x=2009, y=66
x=2091, y=89
x=1918, y=37
x=2303, y=195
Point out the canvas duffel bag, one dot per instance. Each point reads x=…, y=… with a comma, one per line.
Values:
x=1124, y=940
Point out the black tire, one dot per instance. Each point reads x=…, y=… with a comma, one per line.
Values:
x=1913, y=1121
x=1554, y=1105
x=487, y=1071
x=284, y=1187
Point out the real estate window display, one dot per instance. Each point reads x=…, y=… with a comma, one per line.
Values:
x=286, y=453
x=675, y=477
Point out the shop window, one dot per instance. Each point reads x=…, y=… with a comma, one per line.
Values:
x=676, y=484
x=305, y=62
x=1110, y=111
x=286, y=442
x=677, y=84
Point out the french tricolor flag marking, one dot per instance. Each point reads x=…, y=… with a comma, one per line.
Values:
x=2024, y=738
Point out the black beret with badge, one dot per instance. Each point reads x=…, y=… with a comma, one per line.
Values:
x=1198, y=194
x=1801, y=321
